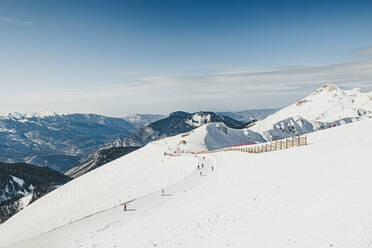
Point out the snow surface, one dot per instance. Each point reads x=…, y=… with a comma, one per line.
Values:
x=19, y=181
x=310, y=196
x=125, y=179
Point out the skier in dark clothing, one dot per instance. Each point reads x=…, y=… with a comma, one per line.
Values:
x=212, y=168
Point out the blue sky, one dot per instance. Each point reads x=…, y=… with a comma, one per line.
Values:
x=122, y=57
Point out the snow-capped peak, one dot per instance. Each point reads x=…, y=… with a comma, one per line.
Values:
x=198, y=119
x=18, y=116
x=328, y=103
x=325, y=106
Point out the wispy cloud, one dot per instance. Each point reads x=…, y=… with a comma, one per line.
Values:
x=227, y=90
x=365, y=51
x=15, y=21
x=347, y=75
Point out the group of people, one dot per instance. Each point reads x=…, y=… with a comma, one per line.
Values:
x=201, y=166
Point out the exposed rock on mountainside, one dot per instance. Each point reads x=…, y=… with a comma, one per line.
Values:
x=21, y=184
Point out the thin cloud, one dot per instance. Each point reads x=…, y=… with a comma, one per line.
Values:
x=356, y=74
x=229, y=90
x=15, y=21
x=365, y=51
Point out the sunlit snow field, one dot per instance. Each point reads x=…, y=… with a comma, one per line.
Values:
x=311, y=196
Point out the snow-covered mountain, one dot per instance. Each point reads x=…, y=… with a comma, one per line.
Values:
x=207, y=137
x=22, y=183
x=247, y=200
x=99, y=158
x=326, y=107
x=175, y=123
x=210, y=137
x=57, y=141
x=142, y=120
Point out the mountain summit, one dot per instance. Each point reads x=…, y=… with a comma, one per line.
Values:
x=327, y=106
x=176, y=123
x=328, y=103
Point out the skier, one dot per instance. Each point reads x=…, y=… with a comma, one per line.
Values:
x=125, y=206
x=212, y=168
x=162, y=192
x=198, y=167
x=200, y=173
x=203, y=166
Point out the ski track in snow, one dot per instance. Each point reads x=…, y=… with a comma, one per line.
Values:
x=311, y=196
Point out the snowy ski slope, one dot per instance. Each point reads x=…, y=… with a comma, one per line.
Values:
x=311, y=196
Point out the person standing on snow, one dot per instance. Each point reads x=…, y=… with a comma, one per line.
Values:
x=125, y=206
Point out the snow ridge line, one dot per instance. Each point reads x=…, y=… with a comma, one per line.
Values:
x=268, y=147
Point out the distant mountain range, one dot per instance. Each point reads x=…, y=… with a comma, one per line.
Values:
x=21, y=184
x=57, y=141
